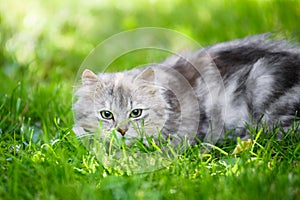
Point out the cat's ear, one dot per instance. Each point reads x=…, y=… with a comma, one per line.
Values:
x=88, y=77
x=147, y=75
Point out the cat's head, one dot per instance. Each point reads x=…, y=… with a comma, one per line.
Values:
x=127, y=102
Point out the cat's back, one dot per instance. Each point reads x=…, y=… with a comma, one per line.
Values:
x=256, y=76
x=263, y=75
x=233, y=56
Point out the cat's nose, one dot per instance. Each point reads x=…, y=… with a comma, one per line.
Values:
x=122, y=130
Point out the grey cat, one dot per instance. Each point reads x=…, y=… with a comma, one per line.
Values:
x=200, y=95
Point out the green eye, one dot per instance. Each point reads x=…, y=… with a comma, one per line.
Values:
x=136, y=113
x=105, y=114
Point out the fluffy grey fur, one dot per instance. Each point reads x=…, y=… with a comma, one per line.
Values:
x=197, y=96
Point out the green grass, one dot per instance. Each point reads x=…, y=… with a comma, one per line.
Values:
x=43, y=43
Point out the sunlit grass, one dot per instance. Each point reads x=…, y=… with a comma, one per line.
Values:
x=64, y=168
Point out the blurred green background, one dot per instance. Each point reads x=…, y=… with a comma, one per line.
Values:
x=43, y=43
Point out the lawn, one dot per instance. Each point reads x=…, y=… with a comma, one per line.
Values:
x=42, y=46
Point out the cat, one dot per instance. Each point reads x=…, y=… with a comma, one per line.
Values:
x=206, y=95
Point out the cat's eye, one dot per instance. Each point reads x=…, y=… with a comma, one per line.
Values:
x=136, y=113
x=105, y=114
